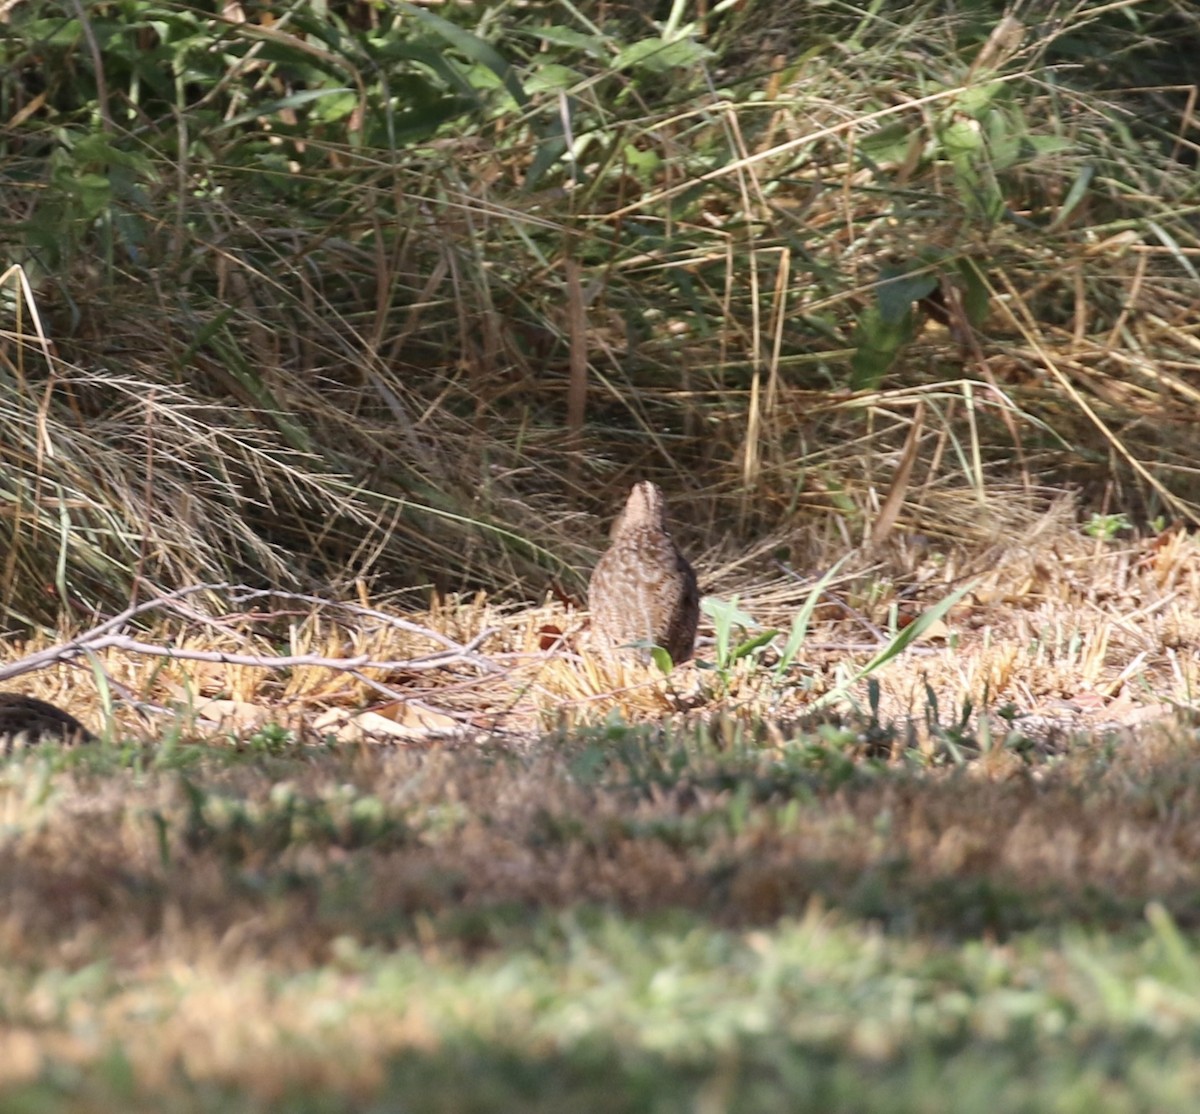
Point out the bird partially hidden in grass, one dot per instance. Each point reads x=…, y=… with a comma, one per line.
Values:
x=25, y=721
x=643, y=589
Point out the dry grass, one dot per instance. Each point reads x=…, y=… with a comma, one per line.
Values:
x=382, y=845
x=366, y=386
x=1068, y=631
x=293, y=922
x=257, y=915
x=390, y=380
x=1058, y=627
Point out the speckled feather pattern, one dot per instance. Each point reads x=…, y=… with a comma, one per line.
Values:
x=643, y=588
x=26, y=721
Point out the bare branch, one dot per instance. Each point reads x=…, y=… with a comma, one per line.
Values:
x=106, y=636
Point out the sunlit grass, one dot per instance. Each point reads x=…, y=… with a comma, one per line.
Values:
x=647, y=922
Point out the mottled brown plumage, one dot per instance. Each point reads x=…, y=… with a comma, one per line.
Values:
x=643, y=589
x=25, y=721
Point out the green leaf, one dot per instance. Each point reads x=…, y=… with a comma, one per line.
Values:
x=336, y=106
x=645, y=163
x=551, y=78
x=52, y=32
x=1172, y=245
x=900, y=643
x=98, y=149
x=1075, y=195
x=295, y=100
x=878, y=342
x=976, y=99
x=662, y=660
x=451, y=74
x=896, y=294
x=725, y=615
x=93, y=192
x=961, y=138
x=1048, y=144
x=726, y=611
x=1004, y=139
x=889, y=143
x=745, y=649
x=976, y=300
x=659, y=56
x=475, y=48
x=321, y=27
x=565, y=36
x=800, y=623
x=551, y=147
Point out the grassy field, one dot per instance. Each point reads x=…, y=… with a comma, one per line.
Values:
x=627, y=920
x=577, y=896
x=962, y=879
x=366, y=317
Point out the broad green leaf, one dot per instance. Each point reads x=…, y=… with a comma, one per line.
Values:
x=435, y=60
x=565, y=36
x=897, y=293
x=93, y=192
x=889, y=143
x=551, y=77
x=961, y=137
x=726, y=611
x=294, y=100
x=976, y=301
x=877, y=343
x=976, y=99
x=641, y=162
x=659, y=56
x=337, y=106
x=725, y=615
x=475, y=48
x=662, y=660
x=417, y=123
x=1048, y=144
x=52, y=32
x=1004, y=138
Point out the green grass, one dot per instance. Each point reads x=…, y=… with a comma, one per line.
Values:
x=631, y=921
x=589, y=1010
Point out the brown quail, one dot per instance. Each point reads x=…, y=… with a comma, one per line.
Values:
x=643, y=589
x=25, y=721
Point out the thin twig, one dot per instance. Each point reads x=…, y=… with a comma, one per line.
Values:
x=105, y=636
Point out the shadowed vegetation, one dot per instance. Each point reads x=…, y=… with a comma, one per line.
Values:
x=671, y=914
x=321, y=287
